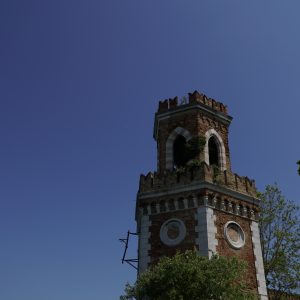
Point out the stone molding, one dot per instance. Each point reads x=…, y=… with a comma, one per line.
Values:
x=221, y=148
x=236, y=244
x=170, y=142
x=144, y=245
x=164, y=232
x=207, y=230
x=259, y=264
x=192, y=201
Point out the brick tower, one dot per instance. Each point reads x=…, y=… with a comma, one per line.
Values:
x=194, y=200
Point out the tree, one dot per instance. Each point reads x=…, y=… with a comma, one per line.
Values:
x=280, y=241
x=189, y=276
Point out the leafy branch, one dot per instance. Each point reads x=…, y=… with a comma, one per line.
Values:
x=193, y=147
x=280, y=240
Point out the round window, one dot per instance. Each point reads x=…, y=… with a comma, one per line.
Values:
x=172, y=232
x=234, y=235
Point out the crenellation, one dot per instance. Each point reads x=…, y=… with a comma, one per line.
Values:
x=173, y=102
x=156, y=181
x=197, y=97
x=163, y=105
x=193, y=98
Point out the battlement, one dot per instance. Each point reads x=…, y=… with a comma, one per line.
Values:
x=193, y=98
x=170, y=179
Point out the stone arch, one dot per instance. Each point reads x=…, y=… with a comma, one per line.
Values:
x=169, y=145
x=221, y=148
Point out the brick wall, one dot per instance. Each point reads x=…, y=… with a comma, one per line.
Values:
x=203, y=200
x=197, y=123
x=245, y=253
x=158, y=248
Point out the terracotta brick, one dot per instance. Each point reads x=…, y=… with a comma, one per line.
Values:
x=217, y=199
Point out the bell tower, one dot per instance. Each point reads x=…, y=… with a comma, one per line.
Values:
x=194, y=200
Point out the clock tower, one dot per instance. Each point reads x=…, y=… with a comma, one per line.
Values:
x=194, y=200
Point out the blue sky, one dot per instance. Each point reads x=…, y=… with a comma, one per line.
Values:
x=80, y=82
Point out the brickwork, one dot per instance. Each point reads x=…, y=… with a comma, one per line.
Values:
x=197, y=123
x=158, y=248
x=245, y=253
x=184, y=206
x=194, y=98
x=199, y=199
x=157, y=181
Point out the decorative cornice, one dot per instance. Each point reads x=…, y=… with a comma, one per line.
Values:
x=198, y=186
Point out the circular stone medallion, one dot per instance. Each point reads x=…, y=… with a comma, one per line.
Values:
x=172, y=232
x=234, y=235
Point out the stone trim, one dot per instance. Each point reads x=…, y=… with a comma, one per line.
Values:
x=207, y=230
x=259, y=264
x=163, y=234
x=222, y=153
x=241, y=238
x=243, y=211
x=144, y=245
x=192, y=201
x=169, y=145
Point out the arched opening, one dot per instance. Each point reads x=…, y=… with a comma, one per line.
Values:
x=213, y=152
x=178, y=151
x=170, y=161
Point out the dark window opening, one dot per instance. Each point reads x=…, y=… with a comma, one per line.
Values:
x=213, y=152
x=162, y=206
x=171, y=204
x=180, y=203
x=178, y=151
x=190, y=202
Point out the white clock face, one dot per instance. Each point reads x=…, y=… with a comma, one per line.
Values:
x=172, y=232
x=234, y=235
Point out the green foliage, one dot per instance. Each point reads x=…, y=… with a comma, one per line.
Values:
x=180, y=170
x=298, y=162
x=193, y=147
x=280, y=240
x=194, y=164
x=191, y=165
x=188, y=276
x=216, y=173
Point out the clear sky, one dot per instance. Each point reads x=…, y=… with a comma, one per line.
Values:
x=80, y=82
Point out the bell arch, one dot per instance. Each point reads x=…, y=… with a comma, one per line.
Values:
x=214, y=143
x=178, y=131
